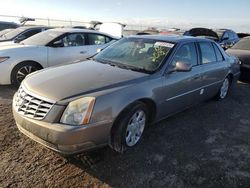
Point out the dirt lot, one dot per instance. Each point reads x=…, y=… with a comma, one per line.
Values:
x=205, y=146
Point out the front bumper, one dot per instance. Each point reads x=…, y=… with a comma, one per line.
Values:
x=65, y=139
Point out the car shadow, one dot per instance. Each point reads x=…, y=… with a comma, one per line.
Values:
x=6, y=93
x=199, y=147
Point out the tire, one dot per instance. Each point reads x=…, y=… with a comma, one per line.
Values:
x=21, y=70
x=129, y=127
x=224, y=89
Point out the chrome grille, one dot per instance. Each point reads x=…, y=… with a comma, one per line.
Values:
x=31, y=106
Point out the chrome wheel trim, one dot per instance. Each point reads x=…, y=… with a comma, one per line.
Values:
x=224, y=88
x=135, y=128
x=24, y=71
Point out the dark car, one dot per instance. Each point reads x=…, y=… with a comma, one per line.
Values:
x=112, y=97
x=22, y=33
x=7, y=25
x=227, y=38
x=202, y=33
x=242, y=51
x=242, y=35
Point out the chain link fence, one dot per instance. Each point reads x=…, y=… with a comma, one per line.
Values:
x=69, y=23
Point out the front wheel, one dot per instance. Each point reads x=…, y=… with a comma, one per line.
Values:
x=21, y=70
x=224, y=89
x=129, y=128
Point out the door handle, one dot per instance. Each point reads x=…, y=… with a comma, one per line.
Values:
x=83, y=52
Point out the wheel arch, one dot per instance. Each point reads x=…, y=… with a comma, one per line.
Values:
x=149, y=103
x=24, y=62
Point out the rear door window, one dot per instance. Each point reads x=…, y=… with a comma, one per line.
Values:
x=96, y=39
x=207, y=52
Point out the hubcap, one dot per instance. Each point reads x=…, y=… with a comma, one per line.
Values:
x=135, y=128
x=24, y=71
x=224, y=88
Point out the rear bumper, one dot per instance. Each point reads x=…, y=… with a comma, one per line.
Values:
x=65, y=139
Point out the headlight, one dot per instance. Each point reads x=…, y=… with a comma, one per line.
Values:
x=78, y=112
x=2, y=59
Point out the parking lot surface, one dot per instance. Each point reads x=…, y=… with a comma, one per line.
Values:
x=207, y=145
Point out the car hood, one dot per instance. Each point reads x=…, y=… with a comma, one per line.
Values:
x=243, y=55
x=63, y=82
x=7, y=43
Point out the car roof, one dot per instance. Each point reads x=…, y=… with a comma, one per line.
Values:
x=75, y=30
x=33, y=27
x=171, y=38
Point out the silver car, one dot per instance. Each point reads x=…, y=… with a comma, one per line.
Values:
x=111, y=98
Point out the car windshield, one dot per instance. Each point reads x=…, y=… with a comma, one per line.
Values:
x=143, y=55
x=243, y=44
x=43, y=38
x=13, y=33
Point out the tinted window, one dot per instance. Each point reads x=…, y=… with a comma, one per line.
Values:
x=186, y=54
x=218, y=53
x=207, y=52
x=75, y=39
x=32, y=32
x=225, y=35
x=95, y=39
x=231, y=35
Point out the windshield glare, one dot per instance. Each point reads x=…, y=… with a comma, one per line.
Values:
x=43, y=38
x=141, y=54
x=243, y=44
x=13, y=33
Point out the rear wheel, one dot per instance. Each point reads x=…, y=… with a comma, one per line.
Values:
x=224, y=89
x=129, y=128
x=21, y=70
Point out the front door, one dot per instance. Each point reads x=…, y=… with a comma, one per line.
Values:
x=68, y=49
x=182, y=89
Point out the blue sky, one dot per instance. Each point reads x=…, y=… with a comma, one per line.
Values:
x=171, y=13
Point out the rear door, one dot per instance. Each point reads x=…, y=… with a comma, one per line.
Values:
x=214, y=68
x=68, y=49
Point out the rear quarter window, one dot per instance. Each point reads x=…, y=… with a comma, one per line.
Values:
x=218, y=53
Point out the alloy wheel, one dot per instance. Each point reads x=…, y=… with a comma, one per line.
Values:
x=24, y=71
x=135, y=127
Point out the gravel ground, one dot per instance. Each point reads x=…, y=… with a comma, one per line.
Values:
x=205, y=146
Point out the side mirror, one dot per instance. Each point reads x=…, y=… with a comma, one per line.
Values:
x=57, y=44
x=181, y=67
x=19, y=38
